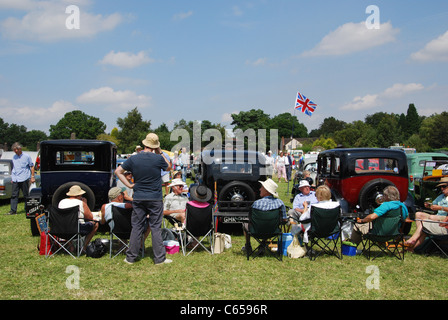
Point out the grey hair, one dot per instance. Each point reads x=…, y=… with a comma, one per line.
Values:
x=16, y=145
x=392, y=193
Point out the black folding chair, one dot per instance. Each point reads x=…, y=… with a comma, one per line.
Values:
x=198, y=227
x=63, y=231
x=325, y=232
x=178, y=230
x=121, y=230
x=386, y=235
x=265, y=227
x=435, y=243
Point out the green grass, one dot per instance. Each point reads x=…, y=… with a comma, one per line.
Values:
x=28, y=276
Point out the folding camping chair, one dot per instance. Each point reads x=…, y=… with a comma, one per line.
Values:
x=198, y=226
x=121, y=230
x=435, y=243
x=63, y=230
x=325, y=232
x=265, y=227
x=385, y=234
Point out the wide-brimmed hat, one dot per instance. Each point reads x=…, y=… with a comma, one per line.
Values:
x=200, y=193
x=444, y=182
x=75, y=191
x=176, y=182
x=304, y=183
x=115, y=192
x=151, y=141
x=270, y=186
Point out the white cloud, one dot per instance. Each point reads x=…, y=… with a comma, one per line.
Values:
x=107, y=96
x=353, y=37
x=435, y=50
x=227, y=117
x=371, y=101
x=126, y=59
x=46, y=21
x=183, y=15
x=38, y=118
x=258, y=62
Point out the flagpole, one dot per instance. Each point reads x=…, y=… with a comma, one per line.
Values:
x=292, y=136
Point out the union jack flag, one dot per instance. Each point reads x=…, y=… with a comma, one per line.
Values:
x=305, y=104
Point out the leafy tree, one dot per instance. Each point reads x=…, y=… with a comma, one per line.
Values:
x=32, y=138
x=79, y=123
x=434, y=130
x=412, y=123
x=351, y=134
x=133, y=130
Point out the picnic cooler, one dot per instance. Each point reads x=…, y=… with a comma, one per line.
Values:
x=348, y=248
x=171, y=246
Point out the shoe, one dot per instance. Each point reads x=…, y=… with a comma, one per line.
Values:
x=10, y=213
x=128, y=262
x=165, y=261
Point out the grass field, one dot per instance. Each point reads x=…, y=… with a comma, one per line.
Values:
x=25, y=275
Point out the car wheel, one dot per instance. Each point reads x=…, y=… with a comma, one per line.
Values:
x=371, y=193
x=60, y=194
x=237, y=191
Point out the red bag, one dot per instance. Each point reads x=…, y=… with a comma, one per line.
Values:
x=44, y=240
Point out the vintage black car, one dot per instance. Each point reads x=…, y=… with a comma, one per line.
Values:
x=64, y=163
x=233, y=176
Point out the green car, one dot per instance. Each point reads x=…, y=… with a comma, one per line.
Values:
x=416, y=163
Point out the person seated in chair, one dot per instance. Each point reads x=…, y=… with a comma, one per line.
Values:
x=323, y=197
x=175, y=203
x=306, y=194
x=391, y=197
x=269, y=201
x=116, y=197
x=75, y=198
x=440, y=204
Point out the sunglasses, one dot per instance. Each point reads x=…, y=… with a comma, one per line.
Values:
x=443, y=187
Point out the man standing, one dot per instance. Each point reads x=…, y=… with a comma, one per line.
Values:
x=148, y=197
x=185, y=159
x=22, y=175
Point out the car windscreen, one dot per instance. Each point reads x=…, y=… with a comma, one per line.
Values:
x=4, y=168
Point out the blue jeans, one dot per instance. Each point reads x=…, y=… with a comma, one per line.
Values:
x=16, y=187
x=153, y=208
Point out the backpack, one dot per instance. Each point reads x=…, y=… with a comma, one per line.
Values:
x=96, y=249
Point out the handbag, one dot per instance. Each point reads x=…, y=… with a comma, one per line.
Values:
x=295, y=250
x=219, y=243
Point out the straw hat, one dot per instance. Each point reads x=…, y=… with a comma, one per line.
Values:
x=176, y=182
x=200, y=193
x=270, y=186
x=151, y=141
x=75, y=191
x=115, y=192
x=444, y=182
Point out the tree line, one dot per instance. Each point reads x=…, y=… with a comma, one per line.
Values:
x=379, y=130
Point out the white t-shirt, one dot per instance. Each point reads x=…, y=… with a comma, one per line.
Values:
x=68, y=203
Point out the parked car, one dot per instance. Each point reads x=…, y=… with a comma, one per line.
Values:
x=64, y=163
x=416, y=163
x=357, y=177
x=425, y=187
x=234, y=175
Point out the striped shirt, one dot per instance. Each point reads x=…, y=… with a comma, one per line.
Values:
x=269, y=203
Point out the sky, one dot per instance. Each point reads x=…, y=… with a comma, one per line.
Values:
x=206, y=59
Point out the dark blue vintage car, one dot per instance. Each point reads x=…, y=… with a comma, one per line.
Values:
x=64, y=163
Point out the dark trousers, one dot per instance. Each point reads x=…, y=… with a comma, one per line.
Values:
x=141, y=211
x=16, y=187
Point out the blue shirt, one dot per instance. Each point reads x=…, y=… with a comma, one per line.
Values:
x=441, y=200
x=300, y=198
x=391, y=205
x=22, y=165
x=146, y=168
x=269, y=203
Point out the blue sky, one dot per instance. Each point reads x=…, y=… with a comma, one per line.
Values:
x=207, y=59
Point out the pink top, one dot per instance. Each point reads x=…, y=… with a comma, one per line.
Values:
x=198, y=204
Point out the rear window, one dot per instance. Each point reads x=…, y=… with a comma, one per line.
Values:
x=363, y=165
x=236, y=168
x=75, y=157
